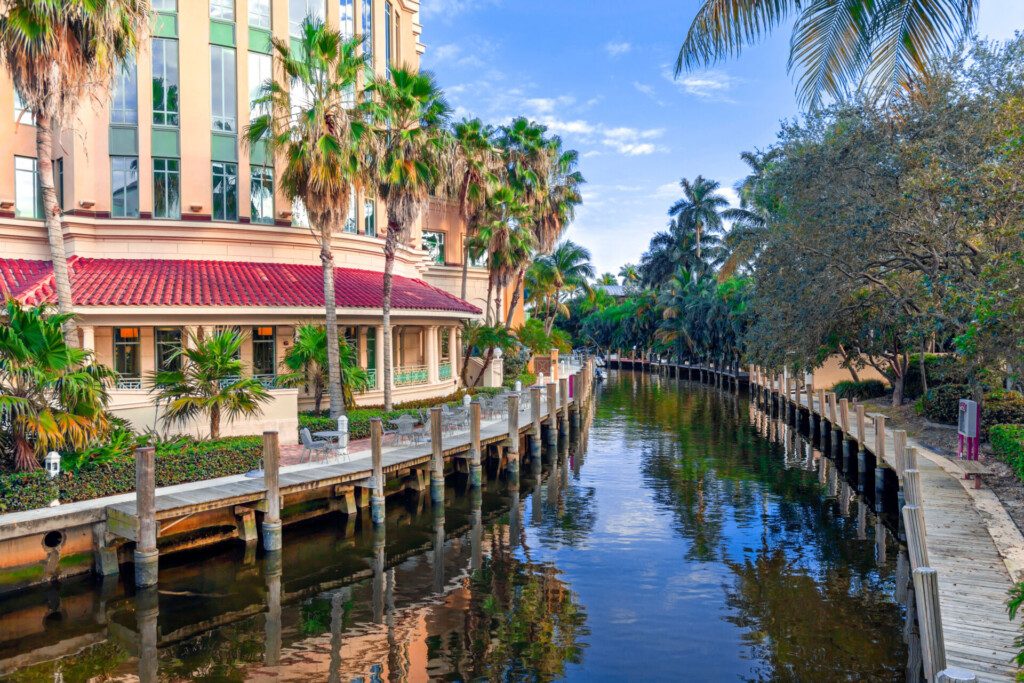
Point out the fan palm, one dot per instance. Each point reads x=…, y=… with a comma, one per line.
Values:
x=307, y=361
x=209, y=382
x=407, y=111
x=311, y=124
x=700, y=208
x=57, y=54
x=888, y=43
x=51, y=396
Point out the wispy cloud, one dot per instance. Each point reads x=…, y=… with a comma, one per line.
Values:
x=707, y=85
x=547, y=105
x=633, y=142
x=617, y=48
x=447, y=9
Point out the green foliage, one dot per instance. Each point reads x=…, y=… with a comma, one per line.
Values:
x=307, y=361
x=533, y=336
x=117, y=444
x=525, y=378
x=941, y=369
x=1000, y=408
x=942, y=404
x=1008, y=444
x=176, y=463
x=865, y=389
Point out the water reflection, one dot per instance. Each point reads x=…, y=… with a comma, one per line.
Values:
x=687, y=532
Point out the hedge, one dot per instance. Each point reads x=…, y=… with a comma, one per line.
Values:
x=941, y=369
x=942, y=404
x=869, y=388
x=1008, y=443
x=177, y=462
x=1001, y=408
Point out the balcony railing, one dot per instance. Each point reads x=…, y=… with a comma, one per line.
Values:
x=128, y=383
x=268, y=381
x=371, y=379
x=444, y=371
x=411, y=374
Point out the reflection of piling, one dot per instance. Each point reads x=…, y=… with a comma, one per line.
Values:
x=272, y=653
x=271, y=529
x=147, y=557
x=880, y=546
x=147, y=612
x=377, y=461
x=475, y=476
x=437, y=457
x=477, y=531
x=377, y=600
x=563, y=412
x=438, y=559
x=338, y=601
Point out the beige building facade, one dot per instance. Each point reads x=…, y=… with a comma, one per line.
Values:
x=172, y=225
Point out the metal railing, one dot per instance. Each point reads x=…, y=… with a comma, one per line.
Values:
x=410, y=375
x=371, y=379
x=444, y=371
x=128, y=383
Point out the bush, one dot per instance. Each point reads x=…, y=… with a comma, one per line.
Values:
x=942, y=369
x=1008, y=443
x=176, y=463
x=526, y=378
x=1001, y=408
x=869, y=388
x=942, y=404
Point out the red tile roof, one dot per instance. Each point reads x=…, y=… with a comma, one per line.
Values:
x=159, y=282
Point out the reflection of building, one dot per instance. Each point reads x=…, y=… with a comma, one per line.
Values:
x=153, y=187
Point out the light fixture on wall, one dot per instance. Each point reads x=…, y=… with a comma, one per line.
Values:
x=6, y=204
x=86, y=203
x=195, y=208
x=286, y=215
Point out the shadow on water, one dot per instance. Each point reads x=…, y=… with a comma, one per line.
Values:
x=688, y=535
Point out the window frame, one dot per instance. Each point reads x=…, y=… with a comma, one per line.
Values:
x=168, y=173
x=113, y=172
x=227, y=98
x=128, y=343
x=293, y=27
x=225, y=165
x=222, y=10
x=171, y=117
x=125, y=86
x=264, y=172
x=437, y=252
x=37, y=190
x=269, y=15
x=262, y=341
x=370, y=217
x=160, y=349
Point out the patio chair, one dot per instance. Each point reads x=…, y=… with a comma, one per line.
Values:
x=457, y=420
x=407, y=430
x=311, y=446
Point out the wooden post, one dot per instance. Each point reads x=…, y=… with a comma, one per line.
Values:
x=512, y=446
x=844, y=415
x=929, y=620
x=879, y=439
x=899, y=439
x=475, y=478
x=552, y=414
x=147, y=557
x=377, y=461
x=861, y=430
x=909, y=458
x=271, y=529
x=437, y=457
x=535, y=419
x=563, y=413
x=833, y=416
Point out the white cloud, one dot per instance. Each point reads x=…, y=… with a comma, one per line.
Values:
x=446, y=9
x=644, y=88
x=708, y=85
x=633, y=142
x=547, y=105
x=560, y=127
x=617, y=48
x=445, y=53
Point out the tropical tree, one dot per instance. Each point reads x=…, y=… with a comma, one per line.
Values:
x=607, y=279
x=307, y=362
x=509, y=243
x=474, y=162
x=888, y=43
x=51, y=396
x=407, y=112
x=677, y=248
x=629, y=275
x=566, y=270
x=700, y=208
x=480, y=341
x=209, y=382
x=309, y=121
x=57, y=54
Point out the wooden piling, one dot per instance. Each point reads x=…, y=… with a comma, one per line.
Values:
x=563, y=413
x=899, y=438
x=929, y=620
x=436, y=457
x=552, y=413
x=146, y=555
x=879, y=439
x=271, y=529
x=844, y=415
x=475, y=477
x=861, y=427
x=512, y=445
x=377, y=462
x=535, y=419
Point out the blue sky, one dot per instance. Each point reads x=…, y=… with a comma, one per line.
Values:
x=598, y=73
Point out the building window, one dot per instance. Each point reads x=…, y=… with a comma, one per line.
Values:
x=21, y=113
x=446, y=346
x=348, y=18
x=350, y=222
x=124, y=106
x=225, y=191
x=222, y=88
x=478, y=259
x=366, y=28
x=165, y=82
x=126, y=356
x=28, y=196
x=259, y=14
x=170, y=6
x=299, y=216
x=166, y=188
x=387, y=36
x=261, y=195
x=369, y=220
x=124, y=187
x=433, y=243
x=264, y=349
x=300, y=10
x=260, y=71
x=168, y=348
x=222, y=9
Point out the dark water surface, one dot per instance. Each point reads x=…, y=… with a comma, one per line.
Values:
x=679, y=542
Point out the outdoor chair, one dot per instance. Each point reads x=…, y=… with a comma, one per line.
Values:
x=457, y=420
x=310, y=446
x=406, y=429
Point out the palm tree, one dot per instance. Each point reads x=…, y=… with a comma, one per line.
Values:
x=406, y=111
x=834, y=44
x=700, y=208
x=51, y=396
x=607, y=279
x=311, y=124
x=509, y=242
x=751, y=220
x=629, y=275
x=210, y=381
x=307, y=361
x=566, y=269
x=57, y=54
x=474, y=161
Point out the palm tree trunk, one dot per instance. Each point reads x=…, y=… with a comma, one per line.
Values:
x=697, y=228
x=389, y=267
x=24, y=457
x=515, y=298
x=331, y=310
x=465, y=270
x=54, y=225
x=214, y=422
x=490, y=290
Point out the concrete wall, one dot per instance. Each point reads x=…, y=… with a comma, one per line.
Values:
x=280, y=413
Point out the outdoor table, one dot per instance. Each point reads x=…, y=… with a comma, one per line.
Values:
x=415, y=433
x=332, y=435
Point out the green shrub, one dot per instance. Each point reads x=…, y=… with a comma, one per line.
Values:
x=942, y=369
x=1008, y=443
x=26, y=491
x=942, y=404
x=526, y=378
x=176, y=463
x=869, y=388
x=1001, y=408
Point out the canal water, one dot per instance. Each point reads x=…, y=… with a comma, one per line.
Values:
x=684, y=537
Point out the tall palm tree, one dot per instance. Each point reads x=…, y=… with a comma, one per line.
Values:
x=57, y=54
x=700, y=208
x=52, y=397
x=474, y=162
x=407, y=112
x=751, y=220
x=568, y=269
x=607, y=279
x=629, y=275
x=310, y=123
x=835, y=43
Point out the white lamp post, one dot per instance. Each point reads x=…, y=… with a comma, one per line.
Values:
x=52, y=464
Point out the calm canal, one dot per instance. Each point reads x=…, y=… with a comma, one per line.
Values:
x=678, y=542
